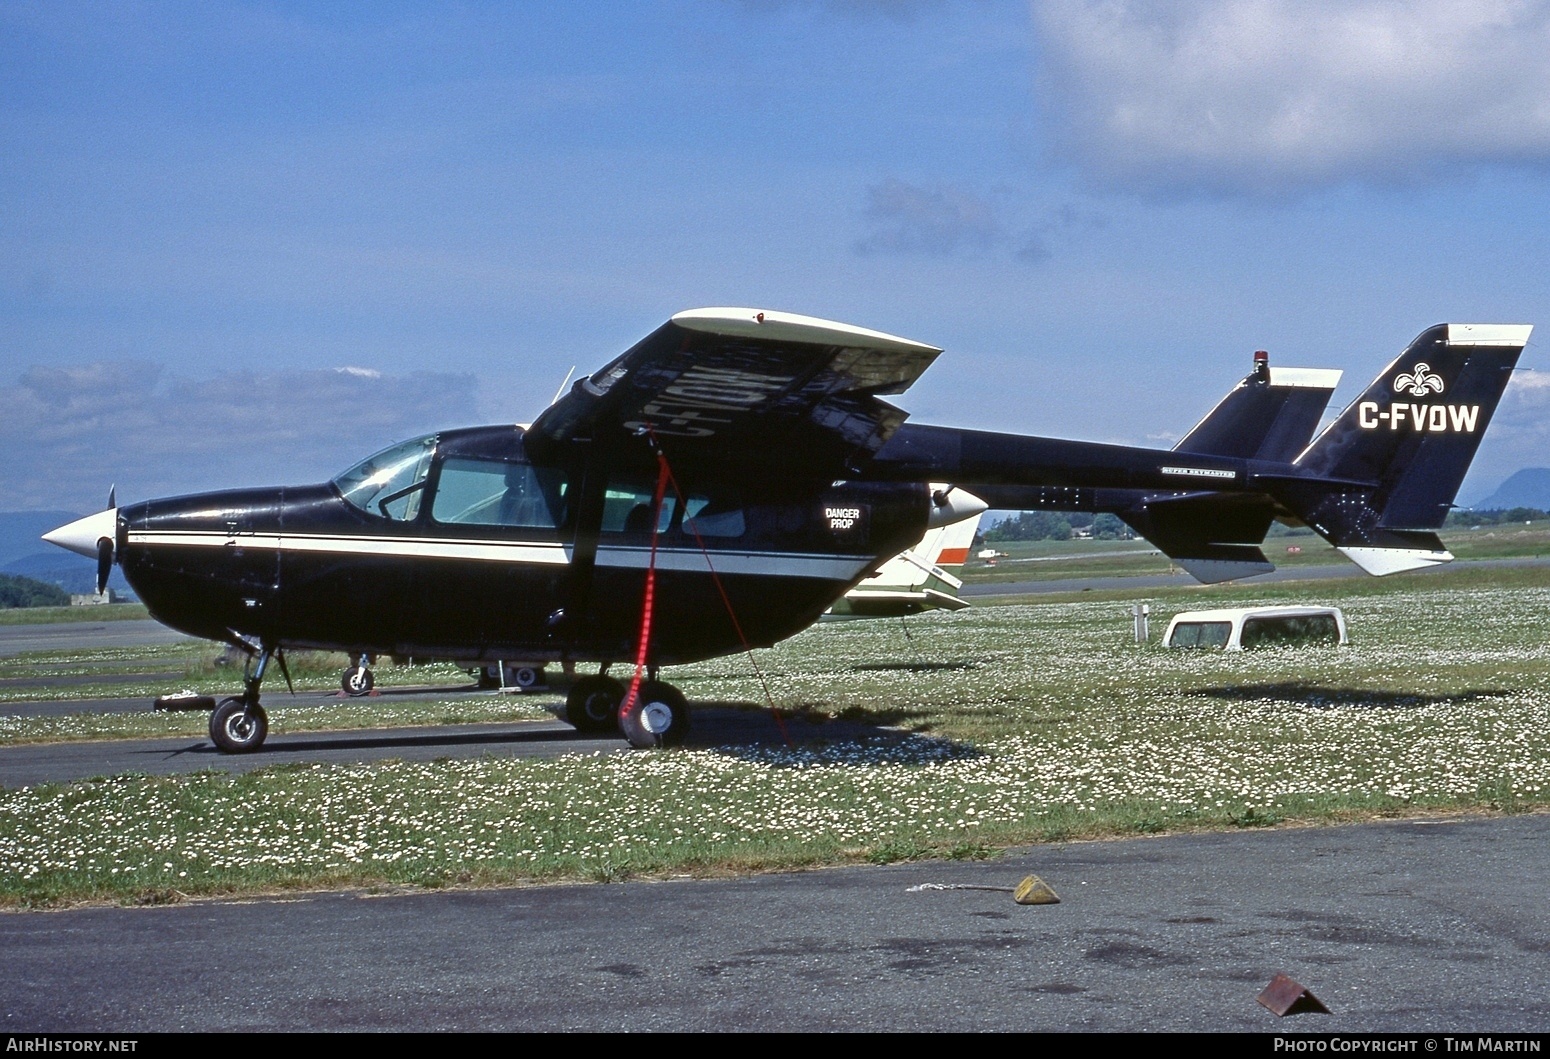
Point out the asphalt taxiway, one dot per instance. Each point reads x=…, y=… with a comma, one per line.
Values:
x=1419, y=929
x=75, y=635
x=1422, y=929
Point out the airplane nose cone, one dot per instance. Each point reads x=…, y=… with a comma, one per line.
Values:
x=83, y=534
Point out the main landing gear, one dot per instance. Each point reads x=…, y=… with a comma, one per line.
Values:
x=357, y=680
x=239, y=725
x=659, y=716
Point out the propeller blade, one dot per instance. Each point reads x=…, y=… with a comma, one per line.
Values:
x=112, y=494
x=104, y=563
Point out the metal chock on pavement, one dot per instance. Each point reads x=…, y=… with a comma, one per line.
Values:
x=1283, y=996
x=1034, y=891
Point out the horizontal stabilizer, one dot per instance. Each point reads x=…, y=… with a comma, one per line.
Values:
x=1215, y=571
x=888, y=603
x=1212, y=536
x=1418, y=551
x=945, y=600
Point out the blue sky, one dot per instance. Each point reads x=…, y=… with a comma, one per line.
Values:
x=246, y=243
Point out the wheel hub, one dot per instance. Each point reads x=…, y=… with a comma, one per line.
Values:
x=600, y=706
x=656, y=717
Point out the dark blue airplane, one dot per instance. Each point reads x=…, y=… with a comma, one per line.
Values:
x=727, y=479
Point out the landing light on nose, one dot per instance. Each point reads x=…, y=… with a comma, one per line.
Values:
x=83, y=534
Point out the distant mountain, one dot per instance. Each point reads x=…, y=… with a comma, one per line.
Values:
x=22, y=551
x=1529, y=487
x=71, y=572
x=20, y=532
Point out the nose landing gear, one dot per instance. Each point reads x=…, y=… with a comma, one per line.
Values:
x=239, y=725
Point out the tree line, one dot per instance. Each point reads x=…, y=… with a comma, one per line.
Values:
x=1058, y=526
x=17, y=591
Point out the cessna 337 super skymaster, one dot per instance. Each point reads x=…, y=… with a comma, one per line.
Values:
x=724, y=481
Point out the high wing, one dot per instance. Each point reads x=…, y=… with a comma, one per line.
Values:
x=744, y=387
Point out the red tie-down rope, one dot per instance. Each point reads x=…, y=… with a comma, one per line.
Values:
x=663, y=474
x=664, y=478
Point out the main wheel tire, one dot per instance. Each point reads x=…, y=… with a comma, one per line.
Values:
x=237, y=728
x=528, y=677
x=593, y=704
x=658, y=717
x=357, y=680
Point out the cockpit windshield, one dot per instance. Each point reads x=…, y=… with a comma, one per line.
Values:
x=391, y=482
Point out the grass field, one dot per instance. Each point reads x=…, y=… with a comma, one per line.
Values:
x=51, y=615
x=1001, y=725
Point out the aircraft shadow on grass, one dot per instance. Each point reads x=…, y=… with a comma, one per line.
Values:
x=1320, y=697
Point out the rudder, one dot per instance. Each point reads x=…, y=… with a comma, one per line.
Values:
x=1384, y=475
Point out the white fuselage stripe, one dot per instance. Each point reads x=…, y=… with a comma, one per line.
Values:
x=406, y=547
x=777, y=564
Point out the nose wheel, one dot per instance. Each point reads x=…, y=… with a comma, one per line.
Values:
x=357, y=680
x=238, y=728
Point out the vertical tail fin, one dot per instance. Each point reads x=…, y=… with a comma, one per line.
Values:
x=1384, y=474
x=948, y=546
x=1270, y=415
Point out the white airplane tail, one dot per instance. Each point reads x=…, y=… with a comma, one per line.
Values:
x=915, y=580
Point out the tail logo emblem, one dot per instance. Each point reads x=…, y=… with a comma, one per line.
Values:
x=1420, y=383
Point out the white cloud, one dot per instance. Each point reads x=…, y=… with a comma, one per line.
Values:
x=68, y=433
x=1266, y=97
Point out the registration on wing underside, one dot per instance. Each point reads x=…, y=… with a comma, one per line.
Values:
x=704, y=398
x=779, y=564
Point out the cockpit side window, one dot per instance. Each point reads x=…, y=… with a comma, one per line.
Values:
x=495, y=493
x=627, y=509
x=390, y=483
x=705, y=518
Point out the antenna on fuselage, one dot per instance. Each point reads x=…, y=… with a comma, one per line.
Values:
x=561, y=391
